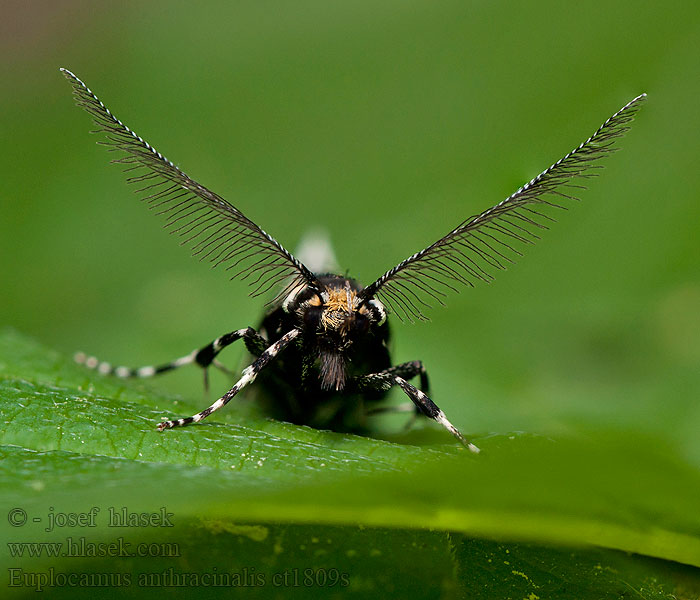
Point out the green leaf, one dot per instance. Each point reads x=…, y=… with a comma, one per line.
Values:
x=246, y=492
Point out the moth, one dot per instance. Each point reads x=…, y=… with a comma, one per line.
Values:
x=322, y=347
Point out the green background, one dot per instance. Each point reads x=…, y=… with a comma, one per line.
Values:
x=387, y=124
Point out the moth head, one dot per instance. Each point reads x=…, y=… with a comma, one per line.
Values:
x=334, y=318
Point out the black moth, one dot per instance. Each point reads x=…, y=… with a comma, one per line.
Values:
x=322, y=349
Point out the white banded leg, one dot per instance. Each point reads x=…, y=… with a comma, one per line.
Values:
x=105, y=368
x=406, y=407
x=204, y=357
x=383, y=380
x=432, y=411
x=249, y=375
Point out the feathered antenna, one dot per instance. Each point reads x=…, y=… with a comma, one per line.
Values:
x=482, y=243
x=217, y=230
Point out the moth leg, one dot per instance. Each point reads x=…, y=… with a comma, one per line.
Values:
x=206, y=356
x=432, y=411
x=256, y=345
x=249, y=375
x=384, y=380
x=203, y=357
x=105, y=368
x=406, y=371
x=405, y=407
x=221, y=367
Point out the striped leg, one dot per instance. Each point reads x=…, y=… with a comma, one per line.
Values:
x=406, y=407
x=423, y=404
x=384, y=379
x=432, y=411
x=249, y=375
x=204, y=357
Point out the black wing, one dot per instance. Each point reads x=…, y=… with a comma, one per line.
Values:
x=484, y=242
x=218, y=231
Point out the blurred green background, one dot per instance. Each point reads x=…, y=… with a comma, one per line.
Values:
x=387, y=123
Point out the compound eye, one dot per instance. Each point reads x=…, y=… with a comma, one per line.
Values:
x=360, y=324
x=312, y=317
x=374, y=310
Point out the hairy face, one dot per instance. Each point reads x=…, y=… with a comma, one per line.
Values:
x=337, y=317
